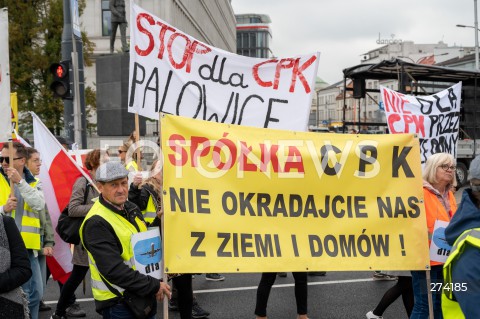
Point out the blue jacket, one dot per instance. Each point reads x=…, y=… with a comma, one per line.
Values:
x=466, y=269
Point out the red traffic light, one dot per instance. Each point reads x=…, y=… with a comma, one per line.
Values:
x=59, y=70
x=60, y=85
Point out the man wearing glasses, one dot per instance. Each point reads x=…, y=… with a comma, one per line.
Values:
x=23, y=203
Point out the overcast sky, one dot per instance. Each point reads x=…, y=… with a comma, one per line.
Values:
x=342, y=30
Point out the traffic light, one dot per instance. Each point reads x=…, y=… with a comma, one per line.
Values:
x=61, y=85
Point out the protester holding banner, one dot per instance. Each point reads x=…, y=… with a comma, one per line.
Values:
x=80, y=203
x=148, y=197
x=132, y=138
x=263, y=292
x=461, y=290
x=24, y=204
x=440, y=205
x=46, y=228
x=106, y=235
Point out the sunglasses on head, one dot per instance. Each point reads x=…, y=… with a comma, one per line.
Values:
x=120, y=151
x=6, y=159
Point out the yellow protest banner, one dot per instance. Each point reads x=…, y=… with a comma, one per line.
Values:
x=244, y=199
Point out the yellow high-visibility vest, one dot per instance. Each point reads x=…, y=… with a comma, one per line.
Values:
x=450, y=307
x=150, y=213
x=123, y=230
x=30, y=226
x=132, y=166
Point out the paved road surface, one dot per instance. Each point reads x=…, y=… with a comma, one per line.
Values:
x=338, y=295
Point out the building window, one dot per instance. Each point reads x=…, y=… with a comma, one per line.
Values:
x=253, y=43
x=106, y=18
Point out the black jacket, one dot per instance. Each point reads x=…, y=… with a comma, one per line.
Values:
x=100, y=240
x=20, y=270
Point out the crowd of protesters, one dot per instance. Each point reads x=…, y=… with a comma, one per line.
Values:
x=24, y=279
x=114, y=210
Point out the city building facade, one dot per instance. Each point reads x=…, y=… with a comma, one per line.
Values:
x=254, y=35
x=212, y=22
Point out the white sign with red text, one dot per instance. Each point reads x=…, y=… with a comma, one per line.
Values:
x=434, y=118
x=174, y=73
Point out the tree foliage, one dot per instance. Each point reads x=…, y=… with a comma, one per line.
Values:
x=35, y=36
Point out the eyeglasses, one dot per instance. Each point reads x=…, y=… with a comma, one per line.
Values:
x=6, y=159
x=446, y=167
x=120, y=151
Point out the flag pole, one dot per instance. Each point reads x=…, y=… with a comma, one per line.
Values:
x=10, y=159
x=137, y=138
x=165, y=276
x=429, y=290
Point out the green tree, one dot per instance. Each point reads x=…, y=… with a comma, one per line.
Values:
x=35, y=33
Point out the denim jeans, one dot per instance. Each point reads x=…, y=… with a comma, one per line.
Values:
x=119, y=311
x=33, y=288
x=420, y=292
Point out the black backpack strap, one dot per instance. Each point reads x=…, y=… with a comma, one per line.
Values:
x=87, y=189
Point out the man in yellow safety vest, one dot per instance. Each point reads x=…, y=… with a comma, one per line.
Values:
x=24, y=203
x=106, y=234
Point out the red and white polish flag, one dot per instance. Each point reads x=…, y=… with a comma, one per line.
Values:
x=58, y=174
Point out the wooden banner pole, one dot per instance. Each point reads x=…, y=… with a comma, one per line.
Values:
x=137, y=138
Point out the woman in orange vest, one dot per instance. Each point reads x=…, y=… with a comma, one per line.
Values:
x=440, y=205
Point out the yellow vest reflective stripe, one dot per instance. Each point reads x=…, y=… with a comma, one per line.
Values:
x=100, y=285
x=133, y=165
x=450, y=307
x=124, y=231
x=150, y=212
x=30, y=220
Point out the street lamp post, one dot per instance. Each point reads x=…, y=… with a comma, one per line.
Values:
x=476, y=33
x=475, y=27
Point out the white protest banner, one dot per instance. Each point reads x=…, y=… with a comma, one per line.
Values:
x=5, y=111
x=147, y=250
x=174, y=73
x=434, y=118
